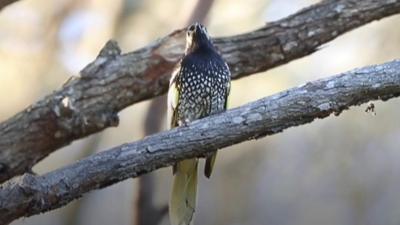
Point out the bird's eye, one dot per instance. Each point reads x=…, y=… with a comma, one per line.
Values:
x=191, y=28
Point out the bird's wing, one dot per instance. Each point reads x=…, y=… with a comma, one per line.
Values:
x=228, y=89
x=210, y=160
x=227, y=97
x=173, y=96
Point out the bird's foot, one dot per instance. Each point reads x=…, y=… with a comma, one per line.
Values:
x=184, y=123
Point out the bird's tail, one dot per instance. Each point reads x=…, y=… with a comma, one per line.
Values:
x=208, y=167
x=183, y=198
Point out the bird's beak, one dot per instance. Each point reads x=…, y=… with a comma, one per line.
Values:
x=197, y=29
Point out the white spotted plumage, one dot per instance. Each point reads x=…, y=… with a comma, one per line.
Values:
x=199, y=87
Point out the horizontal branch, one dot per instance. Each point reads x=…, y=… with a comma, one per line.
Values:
x=31, y=194
x=113, y=81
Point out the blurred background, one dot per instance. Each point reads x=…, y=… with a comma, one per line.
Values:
x=340, y=170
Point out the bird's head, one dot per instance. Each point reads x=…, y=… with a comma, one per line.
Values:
x=197, y=38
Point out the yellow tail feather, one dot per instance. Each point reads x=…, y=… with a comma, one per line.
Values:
x=184, y=193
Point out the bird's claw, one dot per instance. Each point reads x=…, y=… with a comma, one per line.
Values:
x=184, y=123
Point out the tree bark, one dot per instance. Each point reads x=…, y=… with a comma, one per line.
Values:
x=31, y=194
x=90, y=103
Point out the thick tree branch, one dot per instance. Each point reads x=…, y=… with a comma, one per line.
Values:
x=31, y=195
x=113, y=81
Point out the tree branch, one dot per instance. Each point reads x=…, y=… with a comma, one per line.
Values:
x=113, y=81
x=31, y=194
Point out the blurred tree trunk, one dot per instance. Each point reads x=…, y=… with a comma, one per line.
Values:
x=4, y=3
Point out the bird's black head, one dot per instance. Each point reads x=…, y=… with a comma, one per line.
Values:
x=197, y=38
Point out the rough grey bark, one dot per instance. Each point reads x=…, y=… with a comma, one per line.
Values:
x=114, y=81
x=31, y=194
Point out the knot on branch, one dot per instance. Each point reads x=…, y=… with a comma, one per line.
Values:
x=64, y=106
x=110, y=50
x=73, y=118
x=85, y=123
x=28, y=184
x=104, y=119
x=108, y=53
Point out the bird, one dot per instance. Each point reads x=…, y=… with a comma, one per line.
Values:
x=199, y=87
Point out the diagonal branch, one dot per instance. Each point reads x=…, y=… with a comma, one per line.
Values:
x=31, y=195
x=113, y=81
